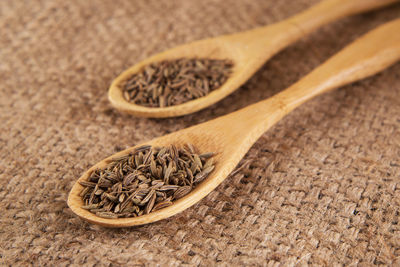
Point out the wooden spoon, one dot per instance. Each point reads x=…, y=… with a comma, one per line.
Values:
x=248, y=50
x=232, y=135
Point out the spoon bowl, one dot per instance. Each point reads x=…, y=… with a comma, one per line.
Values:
x=225, y=162
x=232, y=135
x=215, y=48
x=247, y=50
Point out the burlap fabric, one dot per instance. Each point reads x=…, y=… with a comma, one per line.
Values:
x=322, y=187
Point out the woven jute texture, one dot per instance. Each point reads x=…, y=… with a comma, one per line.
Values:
x=322, y=187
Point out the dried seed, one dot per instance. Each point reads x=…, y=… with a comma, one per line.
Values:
x=104, y=182
x=163, y=195
x=143, y=186
x=129, y=178
x=157, y=182
x=99, y=192
x=208, y=163
x=117, y=208
x=136, y=201
x=97, y=210
x=89, y=207
x=148, y=196
x=153, y=167
x=84, y=191
x=202, y=175
x=143, y=148
x=197, y=160
x=87, y=184
x=150, y=204
x=168, y=172
x=207, y=155
x=182, y=191
x=191, y=148
x=168, y=187
x=108, y=207
x=194, y=167
x=162, y=152
x=162, y=205
x=111, y=197
x=121, y=198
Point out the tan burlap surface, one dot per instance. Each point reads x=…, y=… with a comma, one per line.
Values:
x=322, y=187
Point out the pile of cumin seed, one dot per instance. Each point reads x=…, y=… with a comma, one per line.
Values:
x=173, y=82
x=146, y=180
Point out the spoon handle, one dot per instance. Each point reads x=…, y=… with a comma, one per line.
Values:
x=331, y=10
x=366, y=56
x=293, y=28
x=370, y=54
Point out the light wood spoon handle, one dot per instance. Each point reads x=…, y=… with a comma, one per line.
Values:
x=331, y=10
x=299, y=25
x=366, y=56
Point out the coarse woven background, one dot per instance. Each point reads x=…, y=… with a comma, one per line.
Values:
x=322, y=187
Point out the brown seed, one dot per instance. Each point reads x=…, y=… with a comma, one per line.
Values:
x=148, y=196
x=121, y=158
x=142, y=148
x=117, y=208
x=209, y=163
x=153, y=167
x=207, y=155
x=168, y=187
x=111, y=197
x=161, y=194
x=150, y=204
x=168, y=172
x=89, y=207
x=98, y=192
x=121, y=198
x=190, y=175
x=162, y=205
x=109, y=206
x=129, y=178
x=104, y=182
x=147, y=157
x=182, y=191
x=159, y=171
x=91, y=198
x=191, y=148
x=194, y=167
x=87, y=184
x=137, y=200
x=198, y=161
x=84, y=191
x=143, y=186
x=157, y=182
x=202, y=175
x=97, y=210
x=162, y=152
